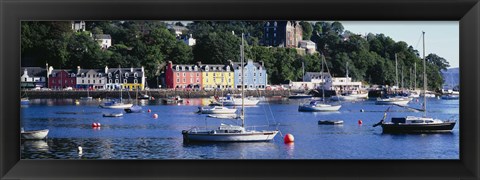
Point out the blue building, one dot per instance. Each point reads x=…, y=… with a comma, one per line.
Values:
x=255, y=75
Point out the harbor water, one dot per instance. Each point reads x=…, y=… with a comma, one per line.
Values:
x=140, y=136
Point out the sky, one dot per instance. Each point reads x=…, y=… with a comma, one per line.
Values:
x=441, y=37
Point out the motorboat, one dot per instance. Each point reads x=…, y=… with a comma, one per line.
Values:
x=232, y=101
x=450, y=96
x=134, y=109
x=330, y=122
x=34, y=135
x=300, y=96
x=172, y=100
x=216, y=110
x=401, y=101
x=314, y=106
x=113, y=115
x=350, y=97
x=115, y=105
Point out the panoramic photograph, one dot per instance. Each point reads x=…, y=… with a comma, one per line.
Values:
x=170, y=90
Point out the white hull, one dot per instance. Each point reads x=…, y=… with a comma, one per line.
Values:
x=217, y=110
x=224, y=116
x=86, y=98
x=238, y=102
x=251, y=136
x=34, y=135
x=318, y=107
x=393, y=101
x=116, y=106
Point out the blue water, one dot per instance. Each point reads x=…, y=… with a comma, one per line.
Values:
x=139, y=136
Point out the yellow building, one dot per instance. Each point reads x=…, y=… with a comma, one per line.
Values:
x=217, y=76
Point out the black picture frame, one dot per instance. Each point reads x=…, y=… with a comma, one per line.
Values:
x=14, y=11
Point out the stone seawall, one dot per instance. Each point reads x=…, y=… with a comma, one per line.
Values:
x=75, y=94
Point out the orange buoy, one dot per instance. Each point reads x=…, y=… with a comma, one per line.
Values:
x=360, y=122
x=149, y=110
x=288, y=138
x=155, y=116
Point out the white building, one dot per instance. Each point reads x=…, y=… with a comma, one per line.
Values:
x=177, y=29
x=90, y=79
x=33, y=77
x=104, y=40
x=189, y=40
x=78, y=26
x=344, y=83
x=308, y=45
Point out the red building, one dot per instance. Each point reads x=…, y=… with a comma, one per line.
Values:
x=59, y=79
x=183, y=76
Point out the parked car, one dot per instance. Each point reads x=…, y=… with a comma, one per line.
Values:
x=68, y=89
x=46, y=89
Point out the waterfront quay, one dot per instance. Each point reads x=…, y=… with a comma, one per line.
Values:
x=156, y=93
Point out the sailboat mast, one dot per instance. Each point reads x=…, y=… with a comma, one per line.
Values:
x=415, y=76
x=323, y=79
x=424, y=78
x=243, y=80
x=120, y=74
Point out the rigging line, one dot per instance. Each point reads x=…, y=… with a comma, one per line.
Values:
x=419, y=38
x=266, y=116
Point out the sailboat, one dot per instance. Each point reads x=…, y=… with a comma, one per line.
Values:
x=114, y=104
x=135, y=108
x=230, y=133
x=314, y=105
x=415, y=124
x=234, y=101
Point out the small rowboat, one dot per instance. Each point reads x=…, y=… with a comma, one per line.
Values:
x=34, y=135
x=113, y=115
x=329, y=122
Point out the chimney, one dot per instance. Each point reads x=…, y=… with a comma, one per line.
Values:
x=143, y=69
x=106, y=69
x=230, y=62
x=131, y=69
x=50, y=69
x=262, y=63
x=78, y=69
x=199, y=63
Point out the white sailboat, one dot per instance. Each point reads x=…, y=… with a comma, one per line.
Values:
x=34, y=135
x=417, y=124
x=230, y=133
x=315, y=106
x=233, y=101
x=114, y=104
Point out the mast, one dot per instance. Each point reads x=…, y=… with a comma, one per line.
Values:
x=323, y=79
x=120, y=82
x=242, y=116
x=424, y=78
x=346, y=67
x=403, y=85
x=396, y=70
x=415, y=76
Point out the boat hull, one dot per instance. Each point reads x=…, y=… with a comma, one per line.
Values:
x=228, y=137
x=418, y=128
x=238, y=102
x=300, y=96
x=34, y=135
x=403, y=102
x=123, y=106
x=304, y=108
x=208, y=111
x=340, y=122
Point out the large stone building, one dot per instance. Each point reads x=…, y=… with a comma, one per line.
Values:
x=282, y=34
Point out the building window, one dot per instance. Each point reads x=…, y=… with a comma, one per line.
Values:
x=110, y=81
x=135, y=75
x=198, y=74
x=116, y=75
x=109, y=75
x=125, y=81
x=178, y=74
x=254, y=74
x=126, y=74
x=178, y=80
x=184, y=74
x=116, y=81
x=88, y=81
x=184, y=80
x=135, y=81
x=260, y=74
x=93, y=81
x=198, y=80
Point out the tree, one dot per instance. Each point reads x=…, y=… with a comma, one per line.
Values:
x=217, y=48
x=307, y=30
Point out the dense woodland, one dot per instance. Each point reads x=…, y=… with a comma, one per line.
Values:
x=371, y=57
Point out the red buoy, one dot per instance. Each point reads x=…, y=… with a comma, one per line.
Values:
x=98, y=124
x=188, y=102
x=94, y=124
x=288, y=138
x=360, y=122
x=149, y=110
x=155, y=116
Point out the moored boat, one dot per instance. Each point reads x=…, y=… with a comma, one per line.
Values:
x=314, y=106
x=34, y=135
x=299, y=96
x=216, y=110
x=330, y=122
x=172, y=100
x=113, y=115
x=401, y=101
x=134, y=109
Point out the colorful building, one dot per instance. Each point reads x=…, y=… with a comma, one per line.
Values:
x=183, y=76
x=61, y=78
x=255, y=75
x=217, y=76
x=125, y=78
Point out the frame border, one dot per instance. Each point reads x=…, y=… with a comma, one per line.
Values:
x=14, y=11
